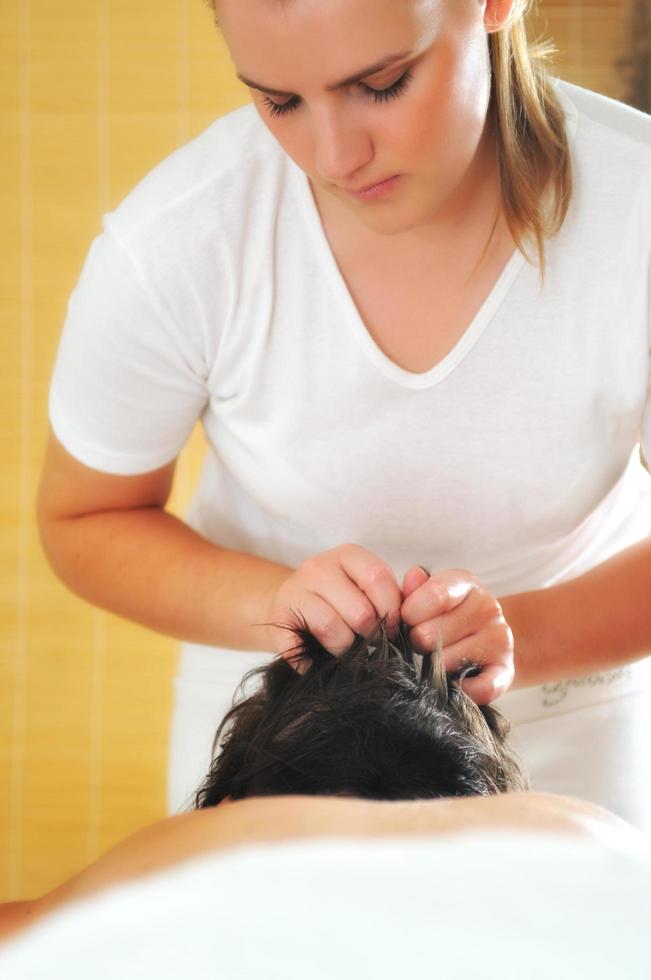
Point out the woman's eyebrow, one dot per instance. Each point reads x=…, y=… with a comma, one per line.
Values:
x=371, y=70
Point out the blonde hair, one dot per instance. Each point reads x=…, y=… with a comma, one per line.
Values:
x=532, y=146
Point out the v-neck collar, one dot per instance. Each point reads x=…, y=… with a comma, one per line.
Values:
x=359, y=329
x=361, y=333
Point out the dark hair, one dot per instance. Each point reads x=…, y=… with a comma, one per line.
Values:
x=380, y=721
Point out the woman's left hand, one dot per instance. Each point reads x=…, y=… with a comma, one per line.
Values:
x=470, y=621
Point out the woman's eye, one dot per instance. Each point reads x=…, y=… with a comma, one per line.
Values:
x=393, y=91
x=277, y=109
x=378, y=95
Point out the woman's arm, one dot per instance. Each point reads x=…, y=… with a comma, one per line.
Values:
x=109, y=539
x=280, y=818
x=599, y=620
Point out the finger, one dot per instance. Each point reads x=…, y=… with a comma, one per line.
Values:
x=492, y=651
x=332, y=582
x=493, y=681
x=377, y=581
x=469, y=618
x=414, y=577
x=323, y=622
x=438, y=594
x=492, y=645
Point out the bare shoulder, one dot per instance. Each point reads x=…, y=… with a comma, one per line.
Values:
x=281, y=818
x=16, y=916
x=278, y=818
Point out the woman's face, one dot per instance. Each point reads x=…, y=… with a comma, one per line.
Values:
x=421, y=117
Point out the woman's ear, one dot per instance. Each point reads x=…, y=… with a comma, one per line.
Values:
x=496, y=14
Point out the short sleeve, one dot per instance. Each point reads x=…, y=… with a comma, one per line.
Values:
x=128, y=382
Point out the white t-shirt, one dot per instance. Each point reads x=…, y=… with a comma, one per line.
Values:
x=212, y=292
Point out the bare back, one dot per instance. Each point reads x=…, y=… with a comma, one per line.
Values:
x=282, y=818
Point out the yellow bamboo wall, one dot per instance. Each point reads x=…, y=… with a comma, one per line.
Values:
x=92, y=96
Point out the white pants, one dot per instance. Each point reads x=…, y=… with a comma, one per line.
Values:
x=206, y=681
x=589, y=737
x=601, y=753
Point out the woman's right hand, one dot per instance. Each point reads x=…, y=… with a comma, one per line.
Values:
x=339, y=592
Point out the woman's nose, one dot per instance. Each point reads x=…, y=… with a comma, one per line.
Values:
x=341, y=146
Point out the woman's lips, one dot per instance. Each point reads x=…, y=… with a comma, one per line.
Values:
x=376, y=190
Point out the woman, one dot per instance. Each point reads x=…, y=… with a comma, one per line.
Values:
x=384, y=377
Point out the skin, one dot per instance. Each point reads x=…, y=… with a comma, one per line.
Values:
x=332, y=588
x=281, y=818
x=433, y=133
x=436, y=134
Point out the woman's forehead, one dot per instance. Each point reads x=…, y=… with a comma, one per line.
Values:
x=294, y=16
x=282, y=46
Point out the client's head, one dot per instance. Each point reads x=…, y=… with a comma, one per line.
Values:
x=380, y=721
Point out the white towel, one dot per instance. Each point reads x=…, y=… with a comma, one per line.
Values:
x=478, y=904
